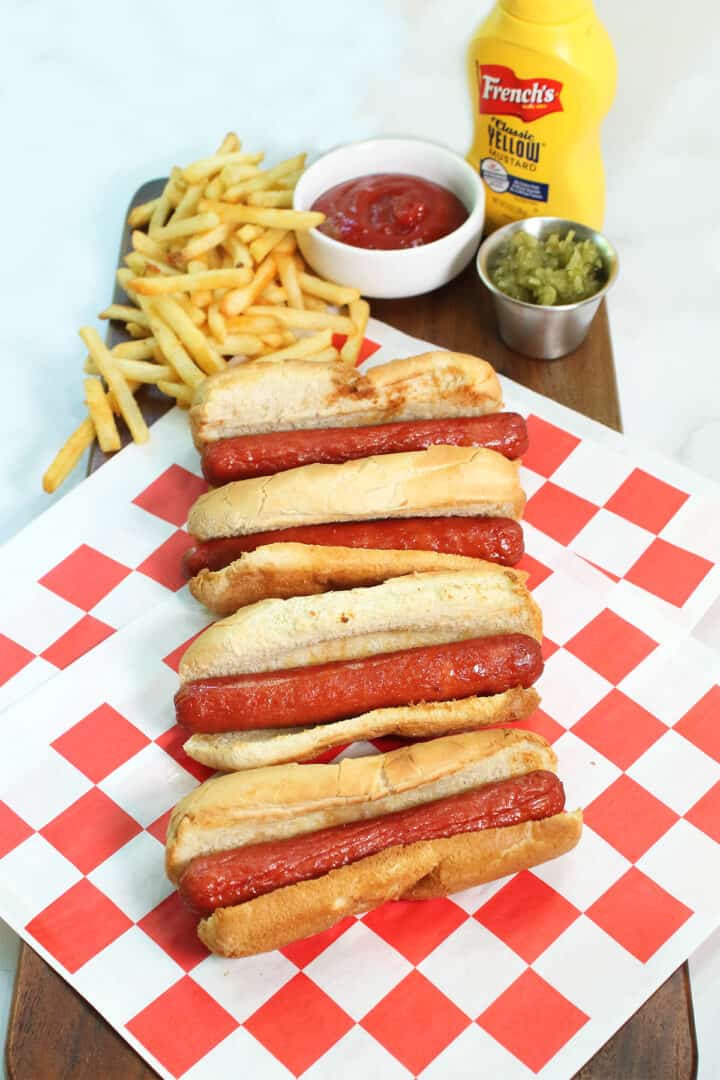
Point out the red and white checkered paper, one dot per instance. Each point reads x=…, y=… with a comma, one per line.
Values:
x=529, y=975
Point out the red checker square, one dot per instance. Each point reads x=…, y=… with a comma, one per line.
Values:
x=619, y=728
x=164, y=565
x=159, y=827
x=505, y=915
x=415, y=929
x=646, y=501
x=100, y=742
x=701, y=724
x=13, y=830
x=299, y=1023
x=91, y=830
x=611, y=646
x=549, y=446
x=85, y=577
x=415, y=1022
x=538, y=571
x=544, y=725
x=705, y=814
x=558, y=513
x=172, y=742
x=173, y=659
x=629, y=817
x=638, y=914
x=173, y=927
x=75, y=642
x=669, y=572
x=182, y=1026
x=303, y=952
x=13, y=658
x=78, y=925
x=172, y=494
x=367, y=348
x=532, y=1020
x=548, y=648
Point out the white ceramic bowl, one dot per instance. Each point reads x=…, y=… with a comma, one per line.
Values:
x=405, y=271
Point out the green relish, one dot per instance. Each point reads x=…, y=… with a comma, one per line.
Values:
x=554, y=270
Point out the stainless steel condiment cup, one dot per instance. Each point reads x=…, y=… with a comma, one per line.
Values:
x=544, y=331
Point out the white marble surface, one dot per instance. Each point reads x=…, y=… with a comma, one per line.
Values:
x=97, y=98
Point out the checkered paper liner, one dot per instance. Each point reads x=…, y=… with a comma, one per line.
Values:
x=526, y=975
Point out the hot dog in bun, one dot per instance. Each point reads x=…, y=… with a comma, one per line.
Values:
x=273, y=855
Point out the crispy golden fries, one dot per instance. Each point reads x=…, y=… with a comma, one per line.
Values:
x=214, y=273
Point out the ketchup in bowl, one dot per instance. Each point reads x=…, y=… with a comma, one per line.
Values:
x=386, y=211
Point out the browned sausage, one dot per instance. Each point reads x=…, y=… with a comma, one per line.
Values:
x=334, y=691
x=231, y=877
x=244, y=456
x=498, y=540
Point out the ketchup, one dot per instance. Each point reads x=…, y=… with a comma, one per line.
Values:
x=389, y=210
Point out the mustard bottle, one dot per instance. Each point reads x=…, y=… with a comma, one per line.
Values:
x=542, y=78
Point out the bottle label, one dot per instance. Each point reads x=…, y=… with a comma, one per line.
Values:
x=502, y=93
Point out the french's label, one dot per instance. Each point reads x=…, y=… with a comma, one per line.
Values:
x=502, y=93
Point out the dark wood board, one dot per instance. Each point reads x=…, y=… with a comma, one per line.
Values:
x=54, y=1034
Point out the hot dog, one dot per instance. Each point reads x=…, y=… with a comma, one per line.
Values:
x=454, y=637
x=336, y=691
x=278, y=854
x=246, y=456
x=421, y=500
x=497, y=540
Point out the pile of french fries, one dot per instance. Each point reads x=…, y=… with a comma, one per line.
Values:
x=214, y=275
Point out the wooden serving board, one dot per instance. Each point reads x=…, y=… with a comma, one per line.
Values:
x=54, y=1034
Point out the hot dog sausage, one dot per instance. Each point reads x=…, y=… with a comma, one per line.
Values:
x=231, y=877
x=334, y=691
x=498, y=540
x=261, y=455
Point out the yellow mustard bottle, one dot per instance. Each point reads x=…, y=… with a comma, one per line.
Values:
x=542, y=78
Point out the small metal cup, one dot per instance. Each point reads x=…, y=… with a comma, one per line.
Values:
x=542, y=330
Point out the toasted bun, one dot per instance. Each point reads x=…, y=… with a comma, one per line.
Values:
x=283, y=570
x=254, y=397
x=404, y=613
x=455, y=480
x=235, y=750
x=287, y=800
x=419, y=871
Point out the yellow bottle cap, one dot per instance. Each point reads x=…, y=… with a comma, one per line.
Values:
x=546, y=11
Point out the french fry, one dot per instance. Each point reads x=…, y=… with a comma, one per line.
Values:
x=68, y=456
x=197, y=314
x=261, y=247
x=273, y=294
x=115, y=380
x=267, y=178
x=134, y=350
x=102, y=416
x=268, y=198
x=325, y=356
x=239, y=253
x=289, y=278
x=306, y=320
x=233, y=174
x=172, y=350
x=188, y=204
x=187, y=226
x=214, y=189
x=139, y=371
x=359, y=313
x=207, y=167
x=278, y=340
x=252, y=324
x=248, y=233
x=182, y=393
x=327, y=290
x=306, y=346
x=234, y=278
x=200, y=244
x=237, y=300
x=241, y=345
x=163, y=205
x=216, y=323
x=314, y=303
x=123, y=312
x=136, y=331
x=140, y=215
x=146, y=246
x=203, y=353
x=262, y=215
x=230, y=144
